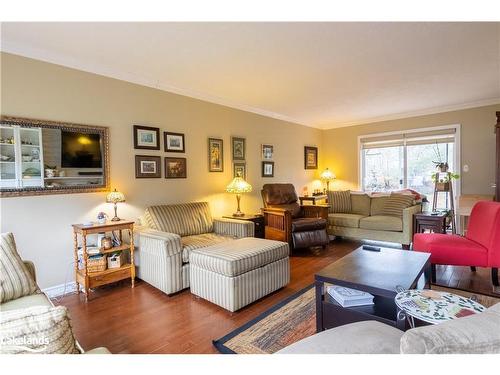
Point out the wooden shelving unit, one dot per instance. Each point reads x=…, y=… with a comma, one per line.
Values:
x=90, y=280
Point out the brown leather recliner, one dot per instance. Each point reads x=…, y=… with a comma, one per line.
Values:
x=286, y=220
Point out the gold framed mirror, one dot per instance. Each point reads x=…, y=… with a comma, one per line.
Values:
x=40, y=157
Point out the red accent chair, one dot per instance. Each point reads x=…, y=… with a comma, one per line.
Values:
x=479, y=248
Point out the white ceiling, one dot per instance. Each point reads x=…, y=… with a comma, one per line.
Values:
x=324, y=75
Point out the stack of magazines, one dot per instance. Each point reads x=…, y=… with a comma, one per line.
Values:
x=347, y=297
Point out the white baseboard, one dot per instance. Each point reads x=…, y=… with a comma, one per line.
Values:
x=59, y=290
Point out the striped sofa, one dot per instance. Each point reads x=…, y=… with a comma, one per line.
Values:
x=171, y=232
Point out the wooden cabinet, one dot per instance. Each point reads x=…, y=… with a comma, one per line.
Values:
x=21, y=157
x=87, y=279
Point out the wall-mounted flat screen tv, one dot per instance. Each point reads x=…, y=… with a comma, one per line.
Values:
x=80, y=150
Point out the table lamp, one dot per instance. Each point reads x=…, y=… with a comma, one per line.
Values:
x=115, y=197
x=327, y=176
x=238, y=186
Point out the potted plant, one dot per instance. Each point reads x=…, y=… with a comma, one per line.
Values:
x=442, y=166
x=443, y=181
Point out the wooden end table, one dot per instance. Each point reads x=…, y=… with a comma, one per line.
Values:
x=257, y=220
x=313, y=199
x=94, y=279
x=427, y=221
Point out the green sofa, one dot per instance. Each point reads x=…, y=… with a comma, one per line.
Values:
x=366, y=222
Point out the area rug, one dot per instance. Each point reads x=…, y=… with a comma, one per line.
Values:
x=292, y=320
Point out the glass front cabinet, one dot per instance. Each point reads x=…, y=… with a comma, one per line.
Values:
x=21, y=157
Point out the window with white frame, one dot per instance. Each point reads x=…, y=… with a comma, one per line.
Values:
x=406, y=159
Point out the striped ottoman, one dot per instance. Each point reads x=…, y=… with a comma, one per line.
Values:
x=235, y=273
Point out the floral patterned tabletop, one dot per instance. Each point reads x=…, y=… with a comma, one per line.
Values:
x=436, y=307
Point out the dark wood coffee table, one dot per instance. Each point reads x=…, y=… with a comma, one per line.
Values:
x=378, y=273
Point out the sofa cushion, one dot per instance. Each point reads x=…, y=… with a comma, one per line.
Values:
x=475, y=334
x=380, y=222
x=38, y=329
x=340, y=201
x=368, y=337
x=239, y=256
x=396, y=203
x=190, y=243
x=38, y=299
x=451, y=249
x=308, y=223
x=345, y=220
x=15, y=278
x=185, y=219
x=377, y=204
x=360, y=204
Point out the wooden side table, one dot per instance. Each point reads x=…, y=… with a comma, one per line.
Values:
x=94, y=279
x=426, y=221
x=313, y=199
x=257, y=220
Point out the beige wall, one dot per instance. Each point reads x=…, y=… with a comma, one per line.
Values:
x=39, y=90
x=477, y=146
x=31, y=88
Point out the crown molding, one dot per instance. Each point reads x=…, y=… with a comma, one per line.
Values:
x=403, y=115
x=106, y=71
x=102, y=70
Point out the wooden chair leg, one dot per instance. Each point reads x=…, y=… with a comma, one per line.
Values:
x=433, y=273
x=473, y=268
x=494, y=276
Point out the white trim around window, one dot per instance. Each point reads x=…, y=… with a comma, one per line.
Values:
x=393, y=136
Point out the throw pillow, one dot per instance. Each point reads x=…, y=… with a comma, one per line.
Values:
x=38, y=329
x=474, y=334
x=15, y=279
x=340, y=201
x=396, y=203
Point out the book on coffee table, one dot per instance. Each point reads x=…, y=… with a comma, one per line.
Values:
x=348, y=297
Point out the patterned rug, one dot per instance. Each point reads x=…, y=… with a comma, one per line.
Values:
x=292, y=320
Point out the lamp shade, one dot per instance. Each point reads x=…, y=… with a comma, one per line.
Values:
x=238, y=185
x=327, y=175
x=115, y=196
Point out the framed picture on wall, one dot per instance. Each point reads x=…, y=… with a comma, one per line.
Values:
x=146, y=138
x=175, y=168
x=215, y=155
x=310, y=157
x=268, y=169
x=240, y=169
x=174, y=142
x=267, y=152
x=238, y=146
x=147, y=166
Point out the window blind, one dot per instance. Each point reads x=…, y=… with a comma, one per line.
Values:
x=409, y=139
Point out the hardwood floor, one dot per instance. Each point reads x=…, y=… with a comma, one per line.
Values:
x=145, y=320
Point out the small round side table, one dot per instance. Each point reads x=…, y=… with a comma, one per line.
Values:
x=434, y=307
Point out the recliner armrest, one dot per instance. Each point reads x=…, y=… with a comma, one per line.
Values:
x=320, y=211
x=276, y=210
